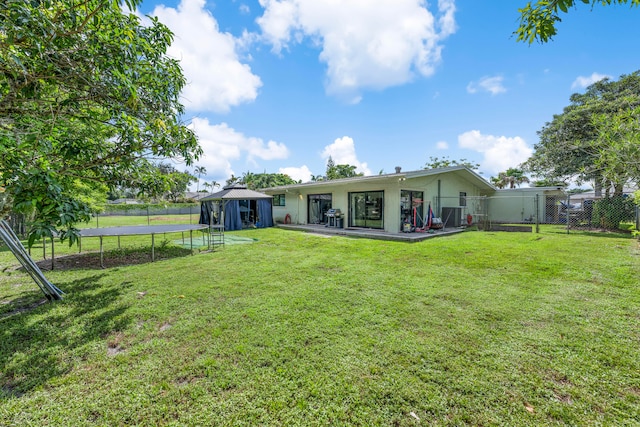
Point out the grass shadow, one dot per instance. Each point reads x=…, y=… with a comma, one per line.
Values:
x=594, y=232
x=43, y=341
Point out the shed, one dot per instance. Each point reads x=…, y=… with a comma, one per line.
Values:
x=237, y=207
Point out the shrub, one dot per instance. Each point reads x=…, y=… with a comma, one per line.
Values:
x=610, y=212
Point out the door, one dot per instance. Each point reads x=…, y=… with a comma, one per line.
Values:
x=412, y=208
x=366, y=209
x=319, y=204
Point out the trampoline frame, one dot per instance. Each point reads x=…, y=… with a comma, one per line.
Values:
x=137, y=230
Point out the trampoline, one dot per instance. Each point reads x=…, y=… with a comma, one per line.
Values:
x=139, y=230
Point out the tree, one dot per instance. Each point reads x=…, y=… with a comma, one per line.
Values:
x=269, y=180
x=199, y=170
x=232, y=180
x=512, y=178
x=594, y=139
x=343, y=171
x=549, y=183
x=247, y=179
x=88, y=97
x=211, y=185
x=176, y=183
x=445, y=162
x=618, y=142
x=334, y=171
x=538, y=21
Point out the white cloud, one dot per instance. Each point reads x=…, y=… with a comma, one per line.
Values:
x=222, y=144
x=365, y=45
x=244, y=9
x=492, y=85
x=583, y=81
x=302, y=173
x=216, y=79
x=500, y=152
x=442, y=145
x=343, y=152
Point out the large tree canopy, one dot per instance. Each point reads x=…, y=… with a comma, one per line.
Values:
x=595, y=138
x=538, y=20
x=445, y=162
x=87, y=97
x=340, y=171
x=256, y=181
x=511, y=178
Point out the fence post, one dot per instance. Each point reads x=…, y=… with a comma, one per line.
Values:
x=537, y=213
x=567, y=209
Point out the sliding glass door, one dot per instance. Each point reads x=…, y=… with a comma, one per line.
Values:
x=366, y=209
x=319, y=204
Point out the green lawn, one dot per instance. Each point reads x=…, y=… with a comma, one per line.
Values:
x=478, y=328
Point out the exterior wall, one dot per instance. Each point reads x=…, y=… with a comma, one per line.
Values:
x=519, y=204
x=513, y=207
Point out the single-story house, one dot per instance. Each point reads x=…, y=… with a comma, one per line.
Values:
x=457, y=195
x=236, y=207
x=386, y=202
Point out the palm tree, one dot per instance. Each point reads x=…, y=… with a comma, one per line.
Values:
x=510, y=179
x=232, y=180
x=499, y=181
x=518, y=176
x=248, y=179
x=199, y=170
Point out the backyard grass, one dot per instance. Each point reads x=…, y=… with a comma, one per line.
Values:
x=477, y=328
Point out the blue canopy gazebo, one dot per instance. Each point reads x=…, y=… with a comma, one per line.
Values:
x=236, y=207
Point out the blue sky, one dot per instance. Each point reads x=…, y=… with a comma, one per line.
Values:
x=279, y=86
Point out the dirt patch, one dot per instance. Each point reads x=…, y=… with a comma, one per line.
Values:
x=118, y=258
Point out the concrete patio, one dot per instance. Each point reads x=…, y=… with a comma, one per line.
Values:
x=371, y=233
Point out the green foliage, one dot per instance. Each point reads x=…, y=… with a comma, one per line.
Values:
x=538, y=20
x=611, y=211
x=256, y=181
x=618, y=144
x=199, y=171
x=445, y=162
x=512, y=178
x=232, y=180
x=549, y=183
x=340, y=171
x=595, y=137
x=175, y=183
x=87, y=95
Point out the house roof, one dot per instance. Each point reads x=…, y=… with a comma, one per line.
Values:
x=552, y=189
x=236, y=192
x=469, y=174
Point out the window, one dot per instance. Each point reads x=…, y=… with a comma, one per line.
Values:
x=278, y=199
x=463, y=198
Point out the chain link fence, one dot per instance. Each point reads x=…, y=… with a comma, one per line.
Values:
x=578, y=212
x=150, y=214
